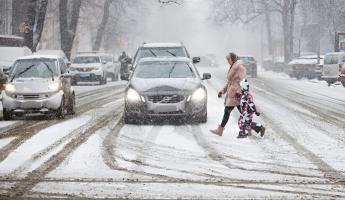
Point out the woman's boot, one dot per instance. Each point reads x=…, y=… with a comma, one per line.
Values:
x=218, y=131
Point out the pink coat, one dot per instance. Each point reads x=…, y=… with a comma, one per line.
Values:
x=236, y=73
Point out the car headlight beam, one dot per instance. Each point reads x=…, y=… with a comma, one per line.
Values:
x=133, y=96
x=10, y=88
x=54, y=87
x=199, y=95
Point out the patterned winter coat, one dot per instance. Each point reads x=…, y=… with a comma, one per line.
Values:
x=232, y=88
x=248, y=109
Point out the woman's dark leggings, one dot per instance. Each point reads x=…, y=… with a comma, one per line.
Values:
x=227, y=112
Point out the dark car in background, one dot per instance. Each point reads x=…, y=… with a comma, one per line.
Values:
x=251, y=65
x=166, y=87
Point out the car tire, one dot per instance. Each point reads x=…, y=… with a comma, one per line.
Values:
x=60, y=113
x=129, y=119
x=7, y=115
x=71, y=105
x=73, y=82
x=329, y=83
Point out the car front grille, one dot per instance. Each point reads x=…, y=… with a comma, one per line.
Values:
x=84, y=69
x=166, y=98
x=31, y=96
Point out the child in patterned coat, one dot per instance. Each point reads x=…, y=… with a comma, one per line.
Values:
x=248, y=109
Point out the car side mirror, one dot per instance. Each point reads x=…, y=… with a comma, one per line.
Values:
x=104, y=63
x=196, y=59
x=65, y=76
x=206, y=76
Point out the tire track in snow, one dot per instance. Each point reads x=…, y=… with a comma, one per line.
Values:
x=217, y=156
x=31, y=180
x=35, y=128
x=109, y=155
x=27, y=164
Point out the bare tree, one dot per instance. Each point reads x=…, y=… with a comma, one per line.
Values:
x=102, y=26
x=68, y=30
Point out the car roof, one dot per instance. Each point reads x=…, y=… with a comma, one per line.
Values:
x=162, y=59
x=50, y=52
x=93, y=54
x=153, y=45
x=335, y=53
x=36, y=56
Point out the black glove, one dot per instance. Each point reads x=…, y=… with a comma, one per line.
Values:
x=220, y=94
x=257, y=113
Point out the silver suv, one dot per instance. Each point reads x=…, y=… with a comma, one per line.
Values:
x=38, y=84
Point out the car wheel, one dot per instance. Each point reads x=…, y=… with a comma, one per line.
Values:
x=71, y=105
x=7, y=114
x=329, y=83
x=203, y=118
x=60, y=113
x=343, y=84
x=73, y=82
x=129, y=119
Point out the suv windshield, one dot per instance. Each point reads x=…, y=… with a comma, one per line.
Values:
x=34, y=68
x=163, y=70
x=247, y=59
x=86, y=59
x=331, y=59
x=160, y=52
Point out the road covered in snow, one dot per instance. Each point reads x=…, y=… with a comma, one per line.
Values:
x=95, y=155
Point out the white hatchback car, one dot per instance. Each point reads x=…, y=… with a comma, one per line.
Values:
x=334, y=64
x=38, y=84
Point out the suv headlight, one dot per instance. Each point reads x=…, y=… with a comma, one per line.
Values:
x=199, y=95
x=133, y=96
x=10, y=88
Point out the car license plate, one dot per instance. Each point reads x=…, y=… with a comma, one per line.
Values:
x=85, y=75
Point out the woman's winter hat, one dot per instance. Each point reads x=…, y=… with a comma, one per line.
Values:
x=244, y=85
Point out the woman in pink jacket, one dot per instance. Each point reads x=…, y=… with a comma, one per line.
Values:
x=231, y=89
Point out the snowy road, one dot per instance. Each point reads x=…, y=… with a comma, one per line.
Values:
x=94, y=155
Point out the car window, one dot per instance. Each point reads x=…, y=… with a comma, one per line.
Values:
x=86, y=59
x=331, y=59
x=106, y=59
x=35, y=68
x=164, y=70
x=247, y=59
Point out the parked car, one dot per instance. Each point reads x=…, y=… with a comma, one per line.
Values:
x=94, y=66
x=250, y=65
x=162, y=50
x=333, y=67
x=166, y=87
x=38, y=84
x=305, y=67
x=9, y=54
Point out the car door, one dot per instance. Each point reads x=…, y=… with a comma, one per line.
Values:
x=331, y=65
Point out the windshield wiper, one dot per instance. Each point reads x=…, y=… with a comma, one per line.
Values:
x=22, y=72
x=172, y=69
x=49, y=70
x=171, y=53
x=152, y=53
